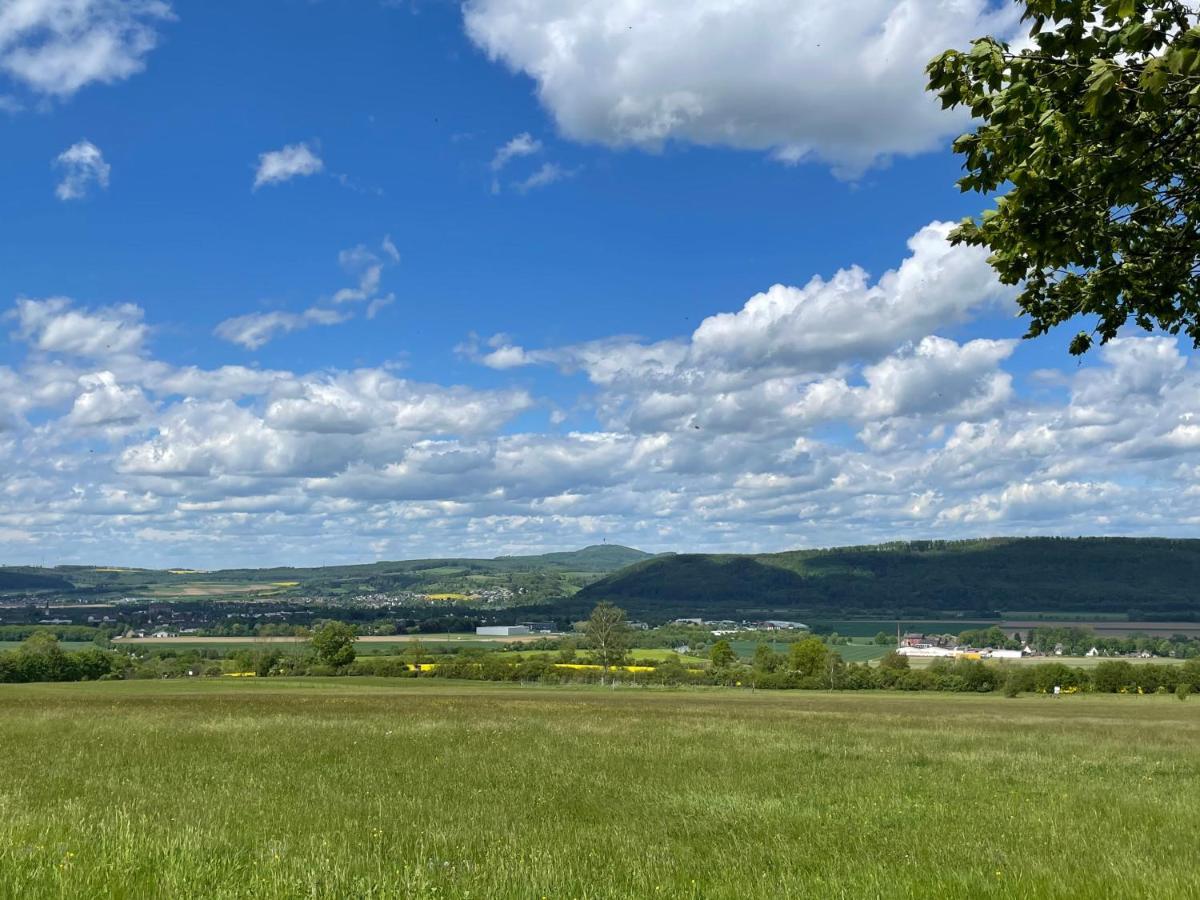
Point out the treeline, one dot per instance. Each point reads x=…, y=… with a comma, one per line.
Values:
x=40, y=658
x=957, y=676
x=1078, y=641
x=73, y=633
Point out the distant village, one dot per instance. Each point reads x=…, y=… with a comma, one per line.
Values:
x=947, y=646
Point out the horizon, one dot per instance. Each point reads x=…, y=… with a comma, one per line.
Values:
x=186, y=568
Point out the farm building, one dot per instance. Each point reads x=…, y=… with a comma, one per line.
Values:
x=502, y=630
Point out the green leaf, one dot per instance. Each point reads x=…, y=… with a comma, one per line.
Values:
x=1155, y=75
x=1103, y=78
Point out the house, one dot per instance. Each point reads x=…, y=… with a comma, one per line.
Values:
x=913, y=640
x=502, y=630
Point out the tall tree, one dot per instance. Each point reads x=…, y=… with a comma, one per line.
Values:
x=333, y=643
x=809, y=657
x=1092, y=132
x=607, y=632
x=722, y=655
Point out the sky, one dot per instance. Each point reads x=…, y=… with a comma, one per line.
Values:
x=296, y=283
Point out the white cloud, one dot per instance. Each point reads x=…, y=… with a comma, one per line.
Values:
x=55, y=326
x=523, y=144
x=843, y=83
x=83, y=165
x=293, y=161
x=732, y=442
x=367, y=267
x=782, y=342
x=102, y=401
x=547, y=174
x=846, y=317
x=56, y=47
x=254, y=330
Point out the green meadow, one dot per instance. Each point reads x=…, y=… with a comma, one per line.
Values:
x=363, y=788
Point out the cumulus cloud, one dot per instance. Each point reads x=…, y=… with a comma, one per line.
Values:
x=848, y=316
x=56, y=47
x=843, y=83
x=55, y=325
x=725, y=439
x=82, y=165
x=102, y=401
x=774, y=353
x=293, y=161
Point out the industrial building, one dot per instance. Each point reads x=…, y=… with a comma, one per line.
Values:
x=502, y=630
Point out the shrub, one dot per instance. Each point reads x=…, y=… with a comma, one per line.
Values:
x=893, y=660
x=1012, y=686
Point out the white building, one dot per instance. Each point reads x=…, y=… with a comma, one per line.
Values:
x=502, y=630
x=929, y=652
x=1004, y=654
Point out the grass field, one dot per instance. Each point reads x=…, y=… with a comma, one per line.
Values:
x=356, y=788
x=639, y=654
x=365, y=646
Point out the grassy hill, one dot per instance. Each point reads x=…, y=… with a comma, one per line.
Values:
x=531, y=579
x=1142, y=576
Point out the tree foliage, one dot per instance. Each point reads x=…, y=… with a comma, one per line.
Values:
x=809, y=657
x=607, y=633
x=333, y=642
x=722, y=655
x=1093, y=132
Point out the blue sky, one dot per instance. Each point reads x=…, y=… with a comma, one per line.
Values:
x=272, y=281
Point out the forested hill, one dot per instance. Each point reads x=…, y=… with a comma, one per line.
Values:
x=19, y=579
x=1145, y=576
x=596, y=558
